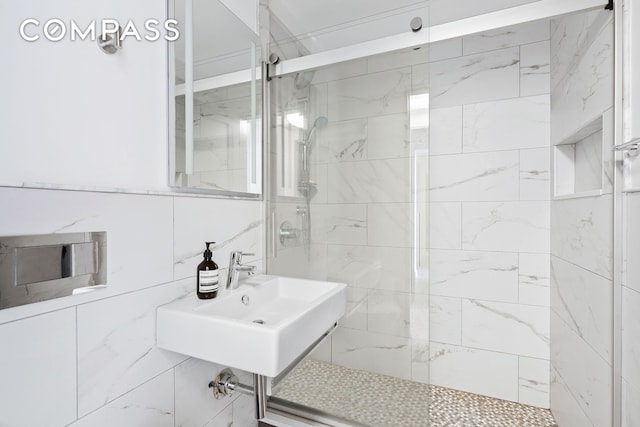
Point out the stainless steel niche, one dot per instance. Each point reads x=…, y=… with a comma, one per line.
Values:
x=42, y=267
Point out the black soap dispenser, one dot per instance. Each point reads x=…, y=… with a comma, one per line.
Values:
x=207, y=286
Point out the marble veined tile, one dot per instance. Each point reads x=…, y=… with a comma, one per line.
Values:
x=474, y=177
x=535, y=68
x=584, y=301
x=376, y=181
x=388, y=136
x=339, y=223
x=565, y=407
x=475, y=78
x=368, y=351
x=534, y=379
x=445, y=225
x=370, y=267
x=486, y=324
x=356, y=314
x=587, y=91
x=342, y=141
x=223, y=419
x=445, y=130
x=388, y=312
x=514, y=35
x=38, y=370
x=473, y=370
x=507, y=124
x=630, y=334
x=445, y=320
x=571, y=35
x=149, y=405
x=390, y=224
x=507, y=226
x=534, y=277
x=133, y=223
x=491, y=276
x=588, y=163
x=237, y=227
x=582, y=232
x=535, y=174
x=369, y=95
x=445, y=49
x=118, y=353
x=586, y=374
x=630, y=397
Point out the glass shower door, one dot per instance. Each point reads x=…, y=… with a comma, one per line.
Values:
x=347, y=202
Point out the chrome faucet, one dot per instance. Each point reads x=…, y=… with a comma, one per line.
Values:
x=235, y=267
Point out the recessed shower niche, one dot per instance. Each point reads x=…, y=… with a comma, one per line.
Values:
x=582, y=161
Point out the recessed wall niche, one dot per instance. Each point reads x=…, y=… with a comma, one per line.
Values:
x=578, y=162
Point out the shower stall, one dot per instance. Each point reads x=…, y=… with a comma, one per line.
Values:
x=445, y=175
x=454, y=169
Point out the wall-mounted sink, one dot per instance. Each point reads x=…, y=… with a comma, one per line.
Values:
x=260, y=327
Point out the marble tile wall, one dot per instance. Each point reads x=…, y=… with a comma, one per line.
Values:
x=91, y=359
x=581, y=226
x=489, y=214
x=362, y=217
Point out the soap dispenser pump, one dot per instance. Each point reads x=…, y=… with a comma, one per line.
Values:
x=207, y=286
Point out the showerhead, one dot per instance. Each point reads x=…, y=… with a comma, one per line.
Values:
x=319, y=123
x=303, y=79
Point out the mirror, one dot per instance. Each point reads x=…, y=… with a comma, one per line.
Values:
x=215, y=139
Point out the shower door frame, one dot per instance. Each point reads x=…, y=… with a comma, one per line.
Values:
x=542, y=9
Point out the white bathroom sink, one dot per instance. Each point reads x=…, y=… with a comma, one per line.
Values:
x=260, y=327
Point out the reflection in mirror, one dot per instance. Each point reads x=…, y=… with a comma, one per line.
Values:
x=215, y=143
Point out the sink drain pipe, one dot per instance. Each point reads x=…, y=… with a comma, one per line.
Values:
x=226, y=383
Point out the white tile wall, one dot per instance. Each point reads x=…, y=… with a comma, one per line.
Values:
x=116, y=344
x=507, y=226
x=491, y=276
x=535, y=68
x=385, y=354
x=584, y=301
x=474, y=177
x=489, y=215
x=506, y=125
x=584, y=372
x=445, y=225
x=369, y=95
x=516, y=35
x=485, y=325
x=445, y=130
x=149, y=405
x=102, y=344
x=475, y=78
x=369, y=181
x=534, y=381
x=582, y=232
x=38, y=370
x=476, y=371
x=535, y=174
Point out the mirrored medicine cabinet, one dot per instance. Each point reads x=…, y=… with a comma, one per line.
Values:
x=215, y=144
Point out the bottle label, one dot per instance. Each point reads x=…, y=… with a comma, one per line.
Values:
x=208, y=280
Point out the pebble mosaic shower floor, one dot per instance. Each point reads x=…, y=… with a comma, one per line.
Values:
x=382, y=401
